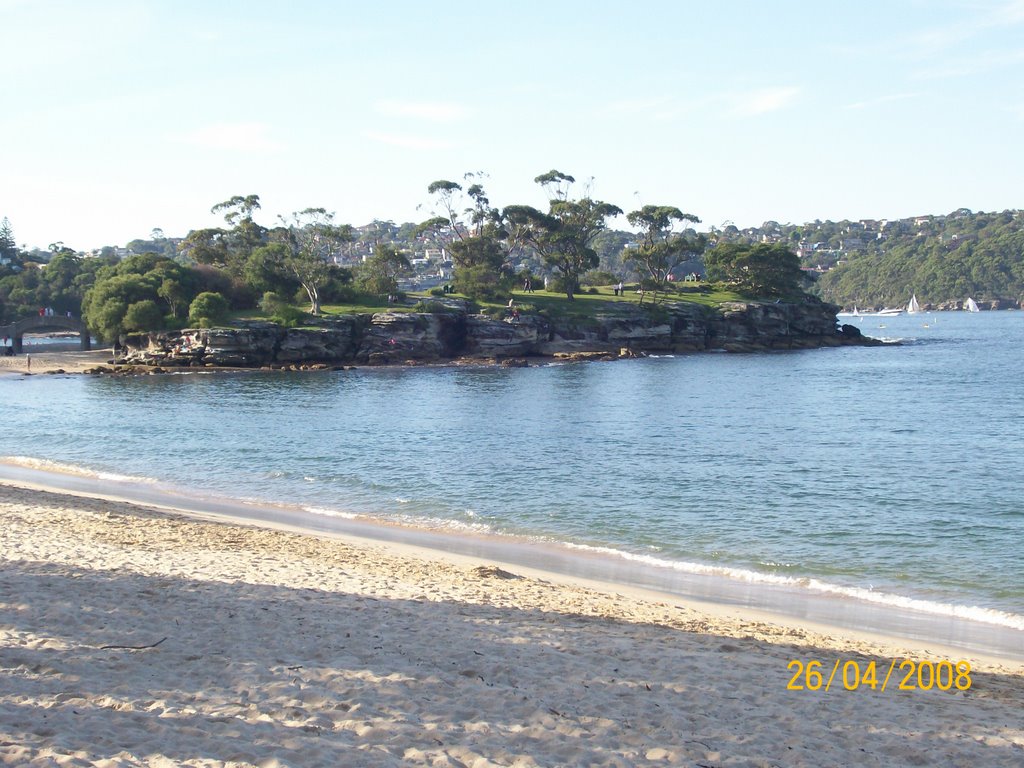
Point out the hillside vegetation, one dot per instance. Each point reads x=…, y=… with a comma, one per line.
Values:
x=942, y=259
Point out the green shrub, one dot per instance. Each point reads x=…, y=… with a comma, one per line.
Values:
x=482, y=282
x=280, y=311
x=207, y=309
x=557, y=285
x=143, y=316
x=598, y=277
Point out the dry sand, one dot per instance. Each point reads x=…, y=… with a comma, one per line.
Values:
x=267, y=647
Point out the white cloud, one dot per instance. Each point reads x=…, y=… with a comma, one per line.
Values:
x=408, y=142
x=879, y=101
x=936, y=40
x=240, y=137
x=434, y=111
x=763, y=100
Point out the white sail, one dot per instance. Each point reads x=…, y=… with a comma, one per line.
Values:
x=971, y=305
x=913, y=306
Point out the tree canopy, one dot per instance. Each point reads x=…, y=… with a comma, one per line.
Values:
x=564, y=235
x=662, y=246
x=757, y=270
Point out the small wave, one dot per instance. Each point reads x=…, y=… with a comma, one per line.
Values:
x=327, y=512
x=402, y=500
x=46, y=465
x=441, y=524
x=969, y=612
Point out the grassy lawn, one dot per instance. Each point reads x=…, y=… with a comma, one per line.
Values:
x=590, y=304
x=585, y=305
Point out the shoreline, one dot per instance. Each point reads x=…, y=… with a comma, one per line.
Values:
x=45, y=361
x=826, y=611
x=98, y=363
x=134, y=636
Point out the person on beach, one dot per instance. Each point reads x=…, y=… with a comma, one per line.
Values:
x=28, y=363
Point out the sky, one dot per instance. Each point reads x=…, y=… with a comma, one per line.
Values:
x=121, y=116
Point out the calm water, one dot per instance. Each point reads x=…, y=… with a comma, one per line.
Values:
x=889, y=474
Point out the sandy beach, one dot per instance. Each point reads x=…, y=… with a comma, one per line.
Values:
x=134, y=636
x=52, y=361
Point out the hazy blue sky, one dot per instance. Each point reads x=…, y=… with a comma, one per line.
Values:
x=118, y=116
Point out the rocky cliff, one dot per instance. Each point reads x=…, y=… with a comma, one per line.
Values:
x=410, y=337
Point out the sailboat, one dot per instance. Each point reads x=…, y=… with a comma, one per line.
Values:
x=913, y=307
x=971, y=305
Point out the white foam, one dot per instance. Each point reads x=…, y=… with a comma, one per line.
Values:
x=46, y=465
x=969, y=612
x=326, y=512
x=441, y=524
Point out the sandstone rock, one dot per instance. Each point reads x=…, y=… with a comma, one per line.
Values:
x=417, y=337
x=487, y=337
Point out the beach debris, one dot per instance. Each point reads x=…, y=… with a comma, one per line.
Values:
x=131, y=647
x=493, y=572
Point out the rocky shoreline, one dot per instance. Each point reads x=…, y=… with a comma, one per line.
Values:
x=457, y=335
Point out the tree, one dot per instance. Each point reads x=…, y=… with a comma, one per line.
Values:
x=662, y=247
x=174, y=293
x=126, y=296
x=564, y=236
x=758, y=270
x=143, y=316
x=379, y=273
x=207, y=246
x=238, y=211
x=106, y=303
x=481, y=265
x=207, y=309
x=227, y=248
x=476, y=238
x=312, y=240
x=8, y=247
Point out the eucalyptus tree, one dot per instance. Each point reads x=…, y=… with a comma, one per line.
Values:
x=311, y=243
x=563, y=236
x=228, y=248
x=380, y=272
x=474, y=234
x=664, y=243
x=246, y=234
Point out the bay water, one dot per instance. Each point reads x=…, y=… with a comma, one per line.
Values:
x=861, y=476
